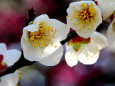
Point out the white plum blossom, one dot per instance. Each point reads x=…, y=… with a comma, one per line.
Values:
x=111, y=35
x=83, y=17
x=83, y=50
x=8, y=58
x=41, y=40
x=107, y=7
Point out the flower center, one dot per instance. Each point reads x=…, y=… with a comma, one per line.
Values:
x=2, y=64
x=77, y=42
x=43, y=37
x=85, y=16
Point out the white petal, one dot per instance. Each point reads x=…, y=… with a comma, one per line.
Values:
x=107, y=7
x=46, y=51
x=42, y=18
x=61, y=29
x=71, y=56
x=88, y=55
x=90, y=52
x=10, y=79
x=30, y=53
x=54, y=58
x=11, y=56
x=85, y=33
x=99, y=39
x=3, y=48
x=111, y=35
x=83, y=29
x=31, y=28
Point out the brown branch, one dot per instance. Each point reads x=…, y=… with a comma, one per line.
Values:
x=31, y=16
x=22, y=62
x=19, y=64
x=70, y=36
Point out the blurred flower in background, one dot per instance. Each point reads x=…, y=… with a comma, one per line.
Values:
x=107, y=7
x=11, y=24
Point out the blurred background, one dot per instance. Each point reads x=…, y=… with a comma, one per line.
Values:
x=13, y=14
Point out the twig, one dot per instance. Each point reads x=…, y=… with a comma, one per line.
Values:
x=20, y=63
x=31, y=16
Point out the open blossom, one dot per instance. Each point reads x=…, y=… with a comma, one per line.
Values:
x=83, y=17
x=111, y=35
x=84, y=50
x=107, y=7
x=41, y=40
x=8, y=58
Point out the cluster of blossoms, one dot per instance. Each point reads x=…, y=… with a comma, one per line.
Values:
x=41, y=40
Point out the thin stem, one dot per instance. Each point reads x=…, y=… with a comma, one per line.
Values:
x=70, y=36
x=22, y=62
x=19, y=64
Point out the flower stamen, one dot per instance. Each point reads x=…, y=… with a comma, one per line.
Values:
x=43, y=37
x=86, y=15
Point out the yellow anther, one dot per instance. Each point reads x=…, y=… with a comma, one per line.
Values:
x=91, y=5
x=74, y=8
x=85, y=16
x=55, y=46
x=43, y=36
x=75, y=23
x=83, y=5
x=19, y=75
x=71, y=19
x=67, y=16
x=79, y=30
x=89, y=28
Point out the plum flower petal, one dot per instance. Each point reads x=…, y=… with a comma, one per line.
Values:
x=83, y=17
x=31, y=53
x=70, y=56
x=10, y=79
x=53, y=58
x=111, y=35
x=11, y=56
x=89, y=53
x=107, y=7
x=3, y=48
x=41, y=40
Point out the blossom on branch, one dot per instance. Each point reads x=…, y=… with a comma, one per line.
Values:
x=84, y=50
x=8, y=58
x=107, y=7
x=41, y=40
x=83, y=17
